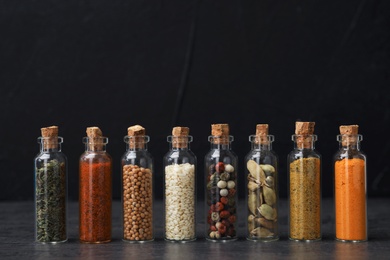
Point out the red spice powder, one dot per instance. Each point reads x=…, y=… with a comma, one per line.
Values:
x=95, y=191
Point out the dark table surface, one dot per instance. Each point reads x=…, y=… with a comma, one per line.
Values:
x=17, y=238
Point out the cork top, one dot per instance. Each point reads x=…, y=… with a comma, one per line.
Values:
x=220, y=133
x=304, y=128
x=262, y=134
x=94, y=132
x=50, y=137
x=136, y=134
x=95, y=138
x=304, y=132
x=220, y=129
x=136, y=130
x=349, y=129
x=180, y=137
x=50, y=131
x=349, y=134
x=180, y=131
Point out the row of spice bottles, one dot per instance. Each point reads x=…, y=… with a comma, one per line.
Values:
x=180, y=190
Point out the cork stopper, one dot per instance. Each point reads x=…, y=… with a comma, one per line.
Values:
x=220, y=132
x=180, y=136
x=304, y=128
x=262, y=134
x=50, y=137
x=95, y=138
x=348, y=134
x=220, y=129
x=136, y=134
x=304, y=132
x=180, y=131
x=349, y=129
x=136, y=130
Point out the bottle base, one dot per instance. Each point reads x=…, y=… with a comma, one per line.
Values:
x=52, y=242
x=137, y=241
x=264, y=240
x=305, y=240
x=179, y=240
x=95, y=242
x=350, y=240
x=221, y=240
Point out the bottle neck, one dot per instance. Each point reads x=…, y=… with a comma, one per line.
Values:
x=304, y=141
x=95, y=148
x=179, y=142
x=97, y=144
x=48, y=144
x=136, y=143
x=137, y=147
x=262, y=147
x=221, y=142
x=263, y=143
x=349, y=142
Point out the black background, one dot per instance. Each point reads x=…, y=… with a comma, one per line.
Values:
x=114, y=64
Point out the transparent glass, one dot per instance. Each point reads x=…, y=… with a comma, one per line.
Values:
x=304, y=175
x=95, y=192
x=261, y=168
x=221, y=195
x=180, y=190
x=350, y=190
x=137, y=190
x=50, y=190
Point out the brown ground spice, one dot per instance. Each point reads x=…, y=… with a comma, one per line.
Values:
x=305, y=199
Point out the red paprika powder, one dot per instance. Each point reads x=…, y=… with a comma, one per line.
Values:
x=95, y=189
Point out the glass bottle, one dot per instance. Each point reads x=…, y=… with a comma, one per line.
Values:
x=262, y=187
x=350, y=187
x=50, y=189
x=180, y=187
x=304, y=185
x=137, y=187
x=95, y=189
x=221, y=184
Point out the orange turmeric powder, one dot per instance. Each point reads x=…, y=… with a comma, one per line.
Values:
x=350, y=199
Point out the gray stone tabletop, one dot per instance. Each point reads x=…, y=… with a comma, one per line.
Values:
x=17, y=238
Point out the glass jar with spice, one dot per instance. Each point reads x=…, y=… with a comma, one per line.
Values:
x=137, y=187
x=95, y=189
x=221, y=185
x=262, y=187
x=304, y=185
x=350, y=187
x=180, y=187
x=50, y=188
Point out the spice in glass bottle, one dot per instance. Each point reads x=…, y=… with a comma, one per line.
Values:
x=304, y=185
x=50, y=188
x=95, y=188
x=137, y=187
x=350, y=187
x=221, y=185
x=180, y=188
x=262, y=192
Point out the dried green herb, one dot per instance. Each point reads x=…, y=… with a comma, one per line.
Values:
x=50, y=199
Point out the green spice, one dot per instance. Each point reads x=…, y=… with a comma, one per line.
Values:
x=50, y=199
